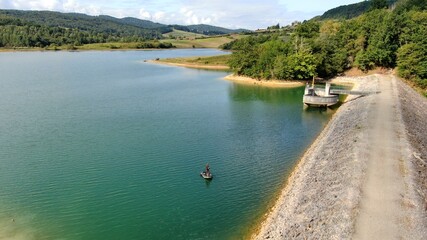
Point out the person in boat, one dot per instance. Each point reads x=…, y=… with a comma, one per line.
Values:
x=207, y=171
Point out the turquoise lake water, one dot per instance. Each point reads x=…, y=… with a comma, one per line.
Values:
x=101, y=145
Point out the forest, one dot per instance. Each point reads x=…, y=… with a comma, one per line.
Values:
x=382, y=37
x=351, y=10
x=42, y=29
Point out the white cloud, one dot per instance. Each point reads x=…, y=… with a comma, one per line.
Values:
x=158, y=16
x=143, y=14
x=33, y=4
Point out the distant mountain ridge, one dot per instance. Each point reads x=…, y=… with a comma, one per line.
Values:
x=208, y=29
x=107, y=24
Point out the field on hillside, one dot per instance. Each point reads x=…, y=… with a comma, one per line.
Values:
x=182, y=34
x=220, y=60
x=208, y=42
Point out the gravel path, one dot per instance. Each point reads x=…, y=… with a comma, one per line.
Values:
x=329, y=195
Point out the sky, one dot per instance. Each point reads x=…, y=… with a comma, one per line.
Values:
x=248, y=14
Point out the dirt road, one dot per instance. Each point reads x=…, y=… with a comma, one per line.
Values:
x=381, y=209
x=358, y=179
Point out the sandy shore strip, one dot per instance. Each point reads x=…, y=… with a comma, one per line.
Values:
x=348, y=175
x=189, y=65
x=236, y=78
x=265, y=83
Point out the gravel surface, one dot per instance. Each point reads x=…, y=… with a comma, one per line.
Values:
x=414, y=115
x=323, y=194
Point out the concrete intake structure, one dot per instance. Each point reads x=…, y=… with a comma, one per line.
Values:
x=319, y=97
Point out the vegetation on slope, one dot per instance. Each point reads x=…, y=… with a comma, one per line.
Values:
x=201, y=42
x=379, y=38
x=179, y=34
x=207, y=29
x=356, y=9
x=42, y=29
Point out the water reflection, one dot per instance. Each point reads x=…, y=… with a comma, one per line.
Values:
x=240, y=92
x=208, y=183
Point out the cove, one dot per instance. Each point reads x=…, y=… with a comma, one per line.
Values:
x=101, y=145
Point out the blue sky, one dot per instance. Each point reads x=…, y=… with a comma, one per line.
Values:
x=249, y=14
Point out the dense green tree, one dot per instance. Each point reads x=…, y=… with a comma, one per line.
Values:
x=268, y=52
x=407, y=5
x=412, y=63
x=244, y=60
x=412, y=55
x=331, y=55
x=353, y=10
x=378, y=4
x=381, y=40
x=308, y=29
x=300, y=65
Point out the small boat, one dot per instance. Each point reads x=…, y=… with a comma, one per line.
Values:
x=207, y=173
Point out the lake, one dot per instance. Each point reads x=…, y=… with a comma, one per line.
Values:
x=102, y=145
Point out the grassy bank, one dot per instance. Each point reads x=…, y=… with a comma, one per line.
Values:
x=212, y=63
x=220, y=60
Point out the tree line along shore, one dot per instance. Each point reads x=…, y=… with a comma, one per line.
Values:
x=389, y=38
x=392, y=38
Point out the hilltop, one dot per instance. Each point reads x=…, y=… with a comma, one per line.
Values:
x=351, y=10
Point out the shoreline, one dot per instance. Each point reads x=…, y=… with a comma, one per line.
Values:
x=323, y=197
x=189, y=65
x=292, y=178
x=235, y=78
x=9, y=50
x=264, y=83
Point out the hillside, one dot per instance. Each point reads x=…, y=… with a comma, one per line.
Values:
x=350, y=11
x=92, y=25
x=202, y=42
x=207, y=29
x=179, y=34
x=212, y=30
x=137, y=22
x=20, y=28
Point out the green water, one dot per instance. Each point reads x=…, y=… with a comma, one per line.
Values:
x=100, y=145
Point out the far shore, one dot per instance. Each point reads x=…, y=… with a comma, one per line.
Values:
x=79, y=49
x=189, y=65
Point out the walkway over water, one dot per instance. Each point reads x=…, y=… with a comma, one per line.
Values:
x=351, y=92
x=347, y=92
